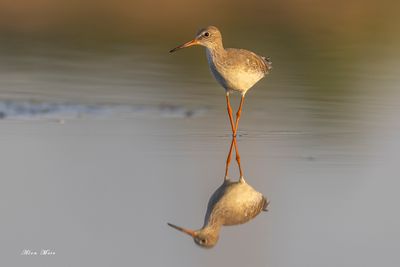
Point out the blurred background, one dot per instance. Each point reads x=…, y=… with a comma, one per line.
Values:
x=105, y=136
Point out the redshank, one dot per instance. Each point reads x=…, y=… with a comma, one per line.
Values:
x=235, y=69
x=231, y=204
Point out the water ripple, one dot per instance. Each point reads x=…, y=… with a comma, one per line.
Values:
x=46, y=110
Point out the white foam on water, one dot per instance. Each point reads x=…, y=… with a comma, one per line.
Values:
x=46, y=110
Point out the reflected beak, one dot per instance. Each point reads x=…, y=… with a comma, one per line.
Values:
x=190, y=43
x=186, y=231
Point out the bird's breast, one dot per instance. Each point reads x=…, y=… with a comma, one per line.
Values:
x=216, y=70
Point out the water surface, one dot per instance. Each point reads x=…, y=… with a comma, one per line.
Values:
x=102, y=147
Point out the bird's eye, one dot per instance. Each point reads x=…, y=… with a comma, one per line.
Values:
x=206, y=34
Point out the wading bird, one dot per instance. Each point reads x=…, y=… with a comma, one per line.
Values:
x=235, y=69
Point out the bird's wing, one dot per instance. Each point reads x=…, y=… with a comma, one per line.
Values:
x=248, y=61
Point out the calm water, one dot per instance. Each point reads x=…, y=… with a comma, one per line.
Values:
x=100, y=148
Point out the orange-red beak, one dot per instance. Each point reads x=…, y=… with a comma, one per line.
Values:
x=186, y=231
x=190, y=43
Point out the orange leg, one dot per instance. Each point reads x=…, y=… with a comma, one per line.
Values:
x=234, y=127
x=238, y=157
x=239, y=112
x=228, y=104
x=228, y=160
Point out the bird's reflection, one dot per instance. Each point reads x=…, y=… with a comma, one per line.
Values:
x=232, y=203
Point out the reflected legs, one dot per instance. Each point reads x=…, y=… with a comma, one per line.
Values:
x=228, y=159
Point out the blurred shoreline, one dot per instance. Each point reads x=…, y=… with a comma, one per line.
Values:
x=134, y=20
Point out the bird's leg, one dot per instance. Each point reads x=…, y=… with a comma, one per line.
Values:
x=234, y=129
x=238, y=157
x=239, y=112
x=228, y=104
x=228, y=160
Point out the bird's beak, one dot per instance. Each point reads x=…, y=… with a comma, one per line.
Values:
x=190, y=43
x=186, y=231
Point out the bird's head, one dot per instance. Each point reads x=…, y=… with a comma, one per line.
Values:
x=206, y=237
x=209, y=37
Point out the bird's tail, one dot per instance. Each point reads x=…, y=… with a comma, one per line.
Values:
x=268, y=63
x=265, y=204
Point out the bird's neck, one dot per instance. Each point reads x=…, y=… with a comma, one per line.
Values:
x=213, y=222
x=211, y=228
x=216, y=49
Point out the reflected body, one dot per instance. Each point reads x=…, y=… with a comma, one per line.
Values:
x=231, y=204
x=235, y=69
